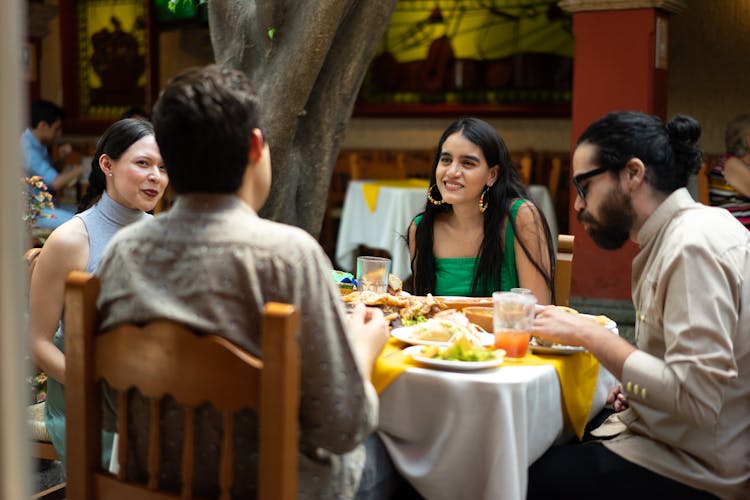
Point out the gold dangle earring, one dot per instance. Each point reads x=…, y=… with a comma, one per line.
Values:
x=433, y=200
x=483, y=202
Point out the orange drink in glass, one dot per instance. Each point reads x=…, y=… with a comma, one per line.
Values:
x=515, y=343
x=512, y=317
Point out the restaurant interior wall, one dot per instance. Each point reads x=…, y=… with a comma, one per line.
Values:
x=708, y=63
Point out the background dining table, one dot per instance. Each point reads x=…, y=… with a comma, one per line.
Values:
x=377, y=213
x=474, y=434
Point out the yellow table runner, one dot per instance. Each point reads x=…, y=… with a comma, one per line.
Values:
x=370, y=190
x=577, y=374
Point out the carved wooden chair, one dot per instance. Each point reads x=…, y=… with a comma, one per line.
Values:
x=376, y=165
x=165, y=358
x=553, y=181
x=41, y=446
x=703, y=181
x=563, y=269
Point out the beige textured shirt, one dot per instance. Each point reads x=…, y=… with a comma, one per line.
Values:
x=689, y=384
x=212, y=263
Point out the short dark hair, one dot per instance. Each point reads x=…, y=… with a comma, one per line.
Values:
x=45, y=111
x=114, y=142
x=669, y=152
x=203, y=120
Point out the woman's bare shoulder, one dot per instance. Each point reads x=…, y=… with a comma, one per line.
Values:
x=69, y=242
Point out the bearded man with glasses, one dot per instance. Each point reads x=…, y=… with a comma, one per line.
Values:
x=680, y=426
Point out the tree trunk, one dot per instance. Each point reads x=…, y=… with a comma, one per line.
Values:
x=306, y=60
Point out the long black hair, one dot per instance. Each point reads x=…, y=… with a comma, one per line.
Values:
x=114, y=142
x=500, y=196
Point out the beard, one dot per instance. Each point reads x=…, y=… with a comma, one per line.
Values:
x=616, y=218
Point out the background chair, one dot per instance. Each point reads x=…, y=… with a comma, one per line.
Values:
x=563, y=269
x=376, y=165
x=165, y=358
x=41, y=446
x=703, y=195
x=553, y=181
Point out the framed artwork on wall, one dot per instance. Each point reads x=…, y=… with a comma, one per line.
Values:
x=109, y=61
x=488, y=57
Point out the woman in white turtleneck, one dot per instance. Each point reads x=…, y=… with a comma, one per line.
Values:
x=127, y=180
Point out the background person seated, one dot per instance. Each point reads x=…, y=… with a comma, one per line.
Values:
x=729, y=179
x=45, y=127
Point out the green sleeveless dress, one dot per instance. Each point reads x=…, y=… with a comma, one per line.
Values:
x=453, y=276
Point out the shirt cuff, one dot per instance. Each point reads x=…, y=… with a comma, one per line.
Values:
x=644, y=378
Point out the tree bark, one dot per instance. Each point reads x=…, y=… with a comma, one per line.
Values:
x=307, y=76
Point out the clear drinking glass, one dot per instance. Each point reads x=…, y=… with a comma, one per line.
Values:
x=512, y=317
x=372, y=274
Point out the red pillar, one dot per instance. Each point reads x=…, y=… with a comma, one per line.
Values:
x=619, y=64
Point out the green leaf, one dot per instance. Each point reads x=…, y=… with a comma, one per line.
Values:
x=271, y=33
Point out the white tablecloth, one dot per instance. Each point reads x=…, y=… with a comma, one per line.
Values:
x=387, y=225
x=473, y=435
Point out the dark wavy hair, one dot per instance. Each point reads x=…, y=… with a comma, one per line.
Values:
x=669, y=152
x=499, y=197
x=114, y=142
x=203, y=120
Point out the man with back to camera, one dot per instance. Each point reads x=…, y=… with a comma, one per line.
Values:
x=681, y=427
x=46, y=126
x=211, y=263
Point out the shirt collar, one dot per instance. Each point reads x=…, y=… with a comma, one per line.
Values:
x=206, y=202
x=664, y=213
x=31, y=139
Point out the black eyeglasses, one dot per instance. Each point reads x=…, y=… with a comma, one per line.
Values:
x=582, y=177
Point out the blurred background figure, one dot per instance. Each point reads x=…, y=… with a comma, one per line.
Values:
x=45, y=126
x=729, y=179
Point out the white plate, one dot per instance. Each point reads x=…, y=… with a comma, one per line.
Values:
x=404, y=334
x=444, y=364
x=563, y=350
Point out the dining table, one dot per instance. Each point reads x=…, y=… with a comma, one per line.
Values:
x=473, y=434
x=377, y=214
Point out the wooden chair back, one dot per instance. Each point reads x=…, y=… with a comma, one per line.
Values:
x=41, y=446
x=553, y=181
x=703, y=195
x=416, y=162
x=379, y=166
x=166, y=358
x=564, y=269
x=524, y=170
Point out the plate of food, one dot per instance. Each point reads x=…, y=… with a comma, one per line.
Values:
x=479, y=360
x=442, y=329
x=458, y=303
x=556, y=349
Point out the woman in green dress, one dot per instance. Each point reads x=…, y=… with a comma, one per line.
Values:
x=479, y=231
